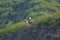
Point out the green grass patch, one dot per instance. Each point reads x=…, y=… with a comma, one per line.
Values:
x=13, y=28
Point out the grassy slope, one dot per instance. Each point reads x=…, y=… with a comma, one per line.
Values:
x=40, y=12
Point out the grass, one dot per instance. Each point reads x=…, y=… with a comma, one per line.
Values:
x=40, y=9
x=20, y=25
x=47, y=18
x=13, y=28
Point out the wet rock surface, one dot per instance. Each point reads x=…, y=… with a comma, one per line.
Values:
x=38, y=32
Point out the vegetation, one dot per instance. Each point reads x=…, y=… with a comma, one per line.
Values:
x=13, y=12
x=13, y=28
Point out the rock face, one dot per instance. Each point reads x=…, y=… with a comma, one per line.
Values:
x=35, y=32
